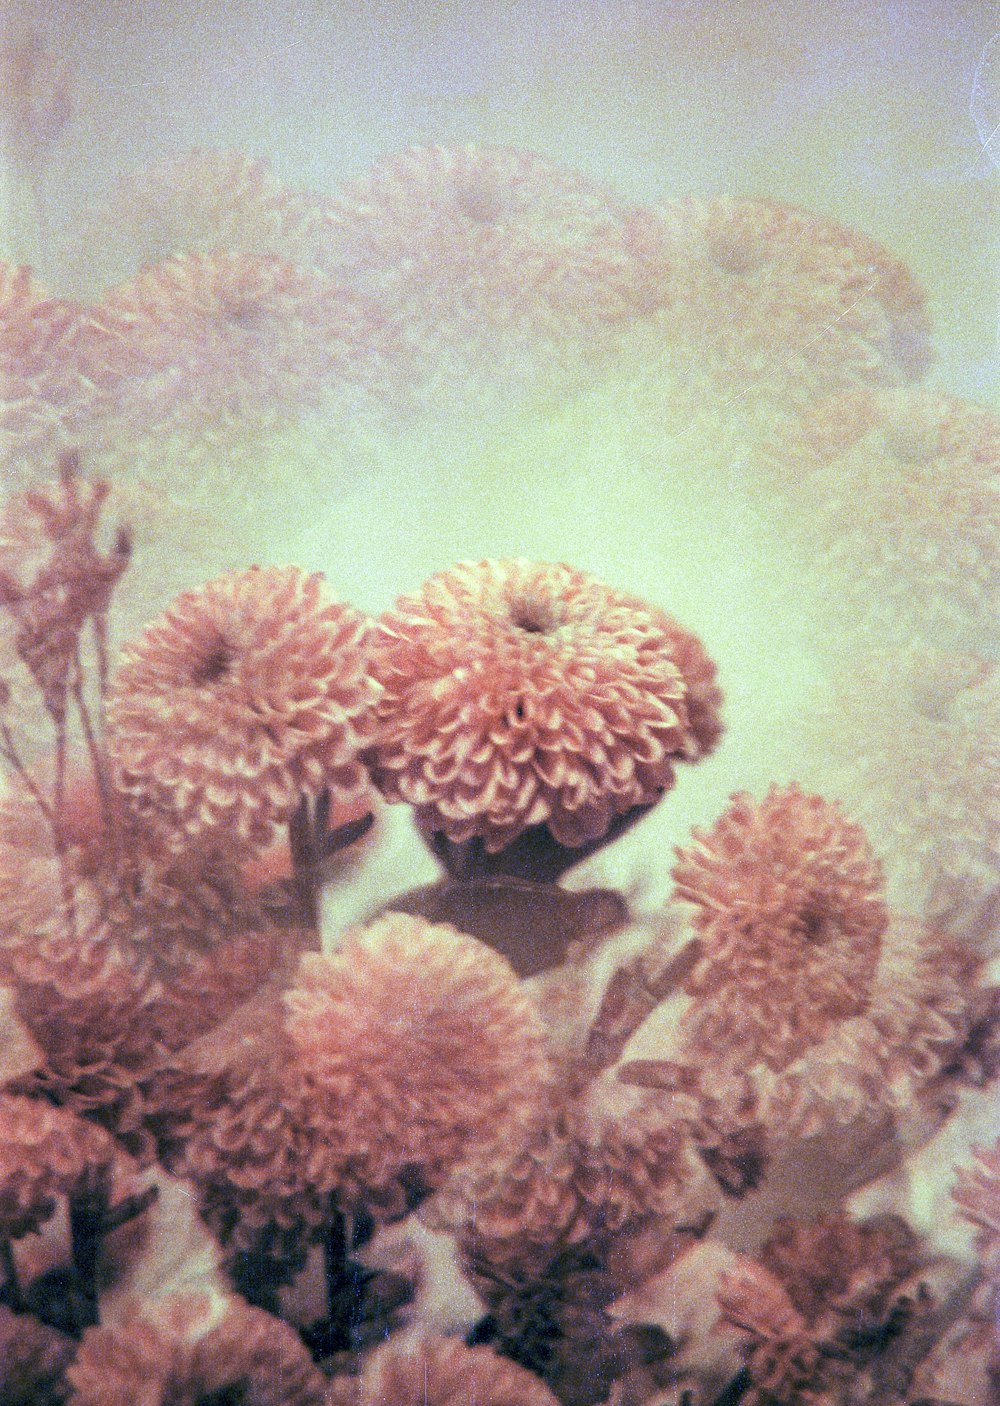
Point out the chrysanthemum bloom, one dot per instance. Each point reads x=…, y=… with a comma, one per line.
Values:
x=416, y=1048
x=520, y=694
x=505, y=268
x=180, y=1352
x=33, y=1358
x=202, y=200
x=202, y=987
x=892, y=496
x=778, y=305
x=41, y=388
x=243, y=697
x=44, y=1152
x=874, y=1070
x=800, y=1306
x=602, y=1164
x=208, y=362
x=790, y=907
x=977, y=1193
x=937, y=827
x=430, y=1371
x=226, y=1115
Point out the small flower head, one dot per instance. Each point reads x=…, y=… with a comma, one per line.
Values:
x=241, y=698
x=519, y=694
x=417, y=1048
x=790, y=909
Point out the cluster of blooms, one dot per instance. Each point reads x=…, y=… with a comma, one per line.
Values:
x=575, y=1105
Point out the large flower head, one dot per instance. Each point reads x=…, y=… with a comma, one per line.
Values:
x=44, y=1153
x=201, y=200
x=518, y=694
x=180, y=1351
x=790, y=906
x=507, y=270
x=892, y=495
x=416, y=1048
x=433, y=1371
x=241, y=698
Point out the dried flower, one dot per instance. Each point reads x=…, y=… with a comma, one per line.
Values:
x=519, y=694
x=825, y=1298
x=54, y=579
x=179, y=1351
x=241, y=698
x=430, y=1371
x=416, y=1048
x=33, y=1358
x=42, y=386
x=44, y=1152
x=791, y=911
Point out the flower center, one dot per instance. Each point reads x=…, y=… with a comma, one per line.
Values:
x=534, y=614
x=214, y=665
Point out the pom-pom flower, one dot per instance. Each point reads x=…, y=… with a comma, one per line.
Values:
x=791, y=911
x=893, y=494
x=431, y=1371
x=44, y=1152
x=201, y=200
x=33, y=1358
x=505, y=269
x=802, y=1307
x=519, y=694
x=180, y=1350
x=241, y=698
x=417, y=1048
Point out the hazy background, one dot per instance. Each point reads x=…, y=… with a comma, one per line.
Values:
x=856, y=109
x=859, y=111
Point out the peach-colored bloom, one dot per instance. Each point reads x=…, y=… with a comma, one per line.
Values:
x=778, y=305
x=202, y=200
x=790, y=907
x=33, y=1358
x=799, y=1307
x=243, y=697
x=518, y=694
x=892, y=495
x=44, y=1151
x=179, y=1350
x=223, y=348
x=227, y=1116
x=416, y=1048
x=506, y=270
x=430, y=1371
x=937, y=825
